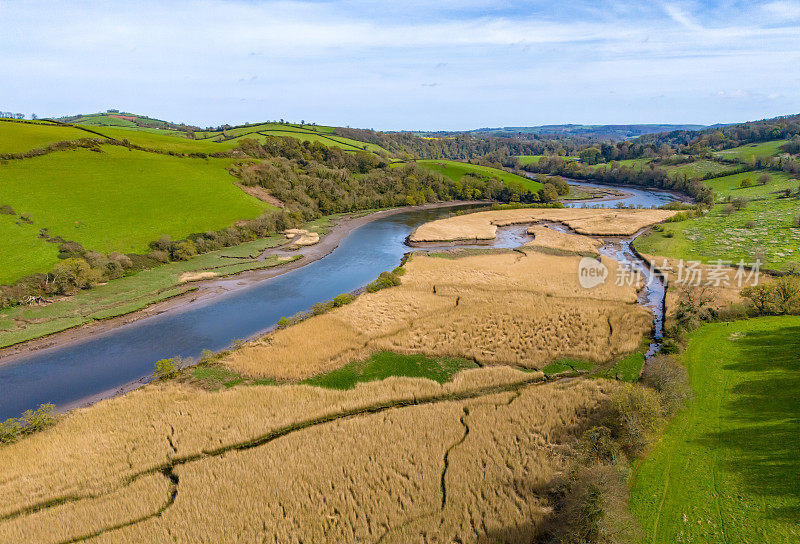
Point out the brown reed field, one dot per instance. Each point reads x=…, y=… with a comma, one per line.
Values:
x=457, y=462
x=483, y=225
x=520, y=308
x=547, y=238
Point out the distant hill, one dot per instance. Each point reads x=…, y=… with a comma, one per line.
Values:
x=611, y=132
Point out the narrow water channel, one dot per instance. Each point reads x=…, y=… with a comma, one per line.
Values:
x=103, y=363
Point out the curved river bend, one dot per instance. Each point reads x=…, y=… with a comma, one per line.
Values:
x=104, y=362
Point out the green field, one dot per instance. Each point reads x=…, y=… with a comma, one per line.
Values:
x=16, y=137
x=456, y=170
x=214, y=141
x=699, y=169
x=761, y=230
x=165, y=140
x=119, y=200
x=731, y=185
x=750, y=151
x=727, y=470
x=23, y=251
x=529, y=159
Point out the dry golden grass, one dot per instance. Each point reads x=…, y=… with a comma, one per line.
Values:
x=454, y=470
x=301, y=237
x=483, y=225
x=544, y=237
x=519, y=308
x=97, y=449
x=196, y=276
x=73, y=520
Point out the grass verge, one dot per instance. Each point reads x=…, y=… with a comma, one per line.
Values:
x=728, y=469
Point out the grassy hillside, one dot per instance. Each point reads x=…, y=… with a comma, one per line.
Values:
x=750, y=151
x=116, y=200
x=456, y=170
x=19, y=137
x=150, y=132
x=308, y=133
x=727, y=469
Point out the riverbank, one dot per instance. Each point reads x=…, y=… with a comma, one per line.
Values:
x=204, y=291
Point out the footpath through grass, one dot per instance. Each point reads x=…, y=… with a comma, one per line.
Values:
x=727, y=469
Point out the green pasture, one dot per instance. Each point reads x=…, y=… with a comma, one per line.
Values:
x=163, y=140
x=699, y=169
x=751, y=151
x=16, y=137
x=23, y=251
x=716, y=235
x=732, y=185
x=456, y=170
x=529, y=159
x=727, y=469
x=120, y=200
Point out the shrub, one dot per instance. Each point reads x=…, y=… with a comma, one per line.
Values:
x=763, y=179
x=728, y=209
x=284, y=322
x=590, y=507
x=678, y=217
x=670, y=378
x=183, y=250
x=69, y=250
x=5, y=209
x=749, y=224
x=796, y=221
x=159, y=256
x=341, y=300
x=636, y=414
x=166, y=369
x=386, y=279
x=321, y=308
x=746, y=182
x=738, y=203
x=597, y=446
x=30, y=422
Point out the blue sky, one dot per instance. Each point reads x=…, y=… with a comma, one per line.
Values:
x=413, y=65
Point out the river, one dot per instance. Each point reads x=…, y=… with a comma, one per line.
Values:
x=104, y=362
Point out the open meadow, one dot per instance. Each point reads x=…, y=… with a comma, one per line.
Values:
x=456, y=170
x=116, y=199
x=754, y=222
x=726, y=470
x=19, y=137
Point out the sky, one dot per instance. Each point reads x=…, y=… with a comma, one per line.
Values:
x=411, y=65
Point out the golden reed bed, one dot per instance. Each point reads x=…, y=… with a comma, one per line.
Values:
x=522, y=308
x=483, y=225
x=465, y=463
